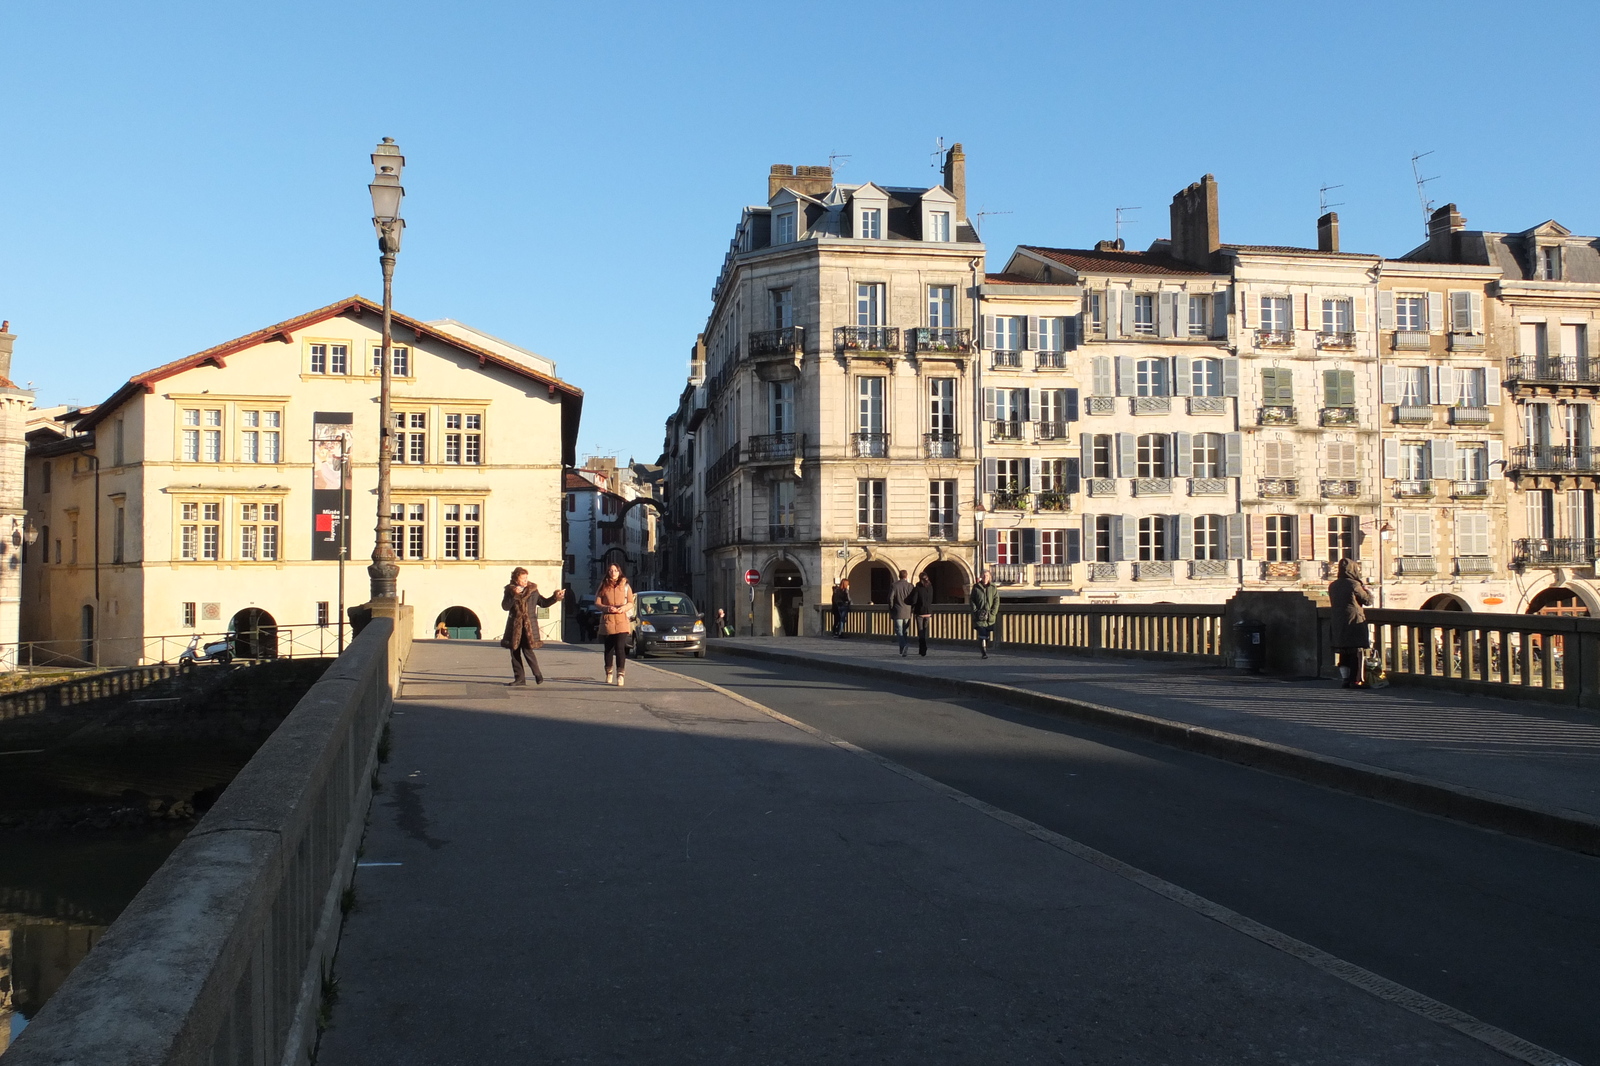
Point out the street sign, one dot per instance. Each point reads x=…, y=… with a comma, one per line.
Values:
x=752, y=577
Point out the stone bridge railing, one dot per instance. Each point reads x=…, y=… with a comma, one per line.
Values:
x=220, y=958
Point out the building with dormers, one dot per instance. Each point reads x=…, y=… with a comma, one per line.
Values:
x=204, y=495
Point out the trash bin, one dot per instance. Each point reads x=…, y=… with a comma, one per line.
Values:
x=1250, y=646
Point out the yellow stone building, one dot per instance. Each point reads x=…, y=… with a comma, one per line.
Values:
x=195, y=498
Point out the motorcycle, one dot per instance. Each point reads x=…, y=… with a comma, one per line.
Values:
x=216, y=651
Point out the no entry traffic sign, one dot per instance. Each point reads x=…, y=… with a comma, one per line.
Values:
x=752, y=577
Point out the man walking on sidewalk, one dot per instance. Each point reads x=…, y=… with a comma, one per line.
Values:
x=922, y=606
x=985, y=600
x=900, y=610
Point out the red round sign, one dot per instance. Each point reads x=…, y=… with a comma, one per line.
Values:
x=752, y=577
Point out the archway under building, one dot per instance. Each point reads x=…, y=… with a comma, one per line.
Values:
x=1445, y=602
x=255, y=634
x=1559, y=601
x=870, y=581
x=949, y=580
x=788, y=593
x=459, y=624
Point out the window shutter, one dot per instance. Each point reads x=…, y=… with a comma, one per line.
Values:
x=1088, y=537
x=1305, y=546
x=1258, y=536
x=1491, y=389
x=1460, y=311
x=1235, y=524
x=1435, y=311
x=1434, y=391
x=1233, y=455
x=1030, y=545
x=1391, y=458
x=1086, y=452
x=1071, y=478
x=1033, y=411
x=1128, y=526
x=1444, y=457
x=1101, y=373
x=1183, y=535
x=991, y=476
x=1305, y=312
x=1126, y=382
x=1027, y=469
x=1241, y=305
x=1497, y=454
x=1074, y=334
x=1449, y=386
x=988, y=405
x=1183, y=447
x=1072, y=545
x=1359, y=306
x=1125, y=299
x=1219, y=315
x=1366, y=532
x=988, y=331
x=1319, y=536
x=1069, y=405
x=1347, y=388
x=1330, y=388
x=989, y=538
x=1165, y=314
x=1389, y=388
x=1230, y=377
x=1182, y=375
x=1127, y=454
x=1386, y=310
x=1030, y=341
x=1477, y=312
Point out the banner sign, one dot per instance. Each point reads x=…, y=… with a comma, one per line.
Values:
x=330, y=484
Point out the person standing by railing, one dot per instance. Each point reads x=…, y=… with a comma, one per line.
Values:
x=1350, y=634
x=985, y=600
x=922, y=607
x=900, y=610
x=522, y=628
x=841, y=606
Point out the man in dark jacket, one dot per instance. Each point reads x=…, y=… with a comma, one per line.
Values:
x=922, y=607
x=841, y=607
x=985, y=600
x=900, y=610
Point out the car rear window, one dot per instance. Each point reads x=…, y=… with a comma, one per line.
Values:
x=665, y=603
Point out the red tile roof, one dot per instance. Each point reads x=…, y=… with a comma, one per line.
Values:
x=1017, y=279
x=579, y=483
x=1093, y=261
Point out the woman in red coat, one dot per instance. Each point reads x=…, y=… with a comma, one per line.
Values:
x=522, y=627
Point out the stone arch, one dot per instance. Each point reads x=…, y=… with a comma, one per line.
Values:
x=1445, y=601
x=870, y=579
x=461, y=623
x=1560, y=600
x=782, y=558
x=1583, y=591
x=952, y=577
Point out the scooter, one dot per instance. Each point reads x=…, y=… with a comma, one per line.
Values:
x=216, y=651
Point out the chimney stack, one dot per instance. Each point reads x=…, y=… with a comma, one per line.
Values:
x=1443, y=225
x=810, y=181
x=1328, y=232
x=7, y=339
x=1195, y=224
x=955, y=179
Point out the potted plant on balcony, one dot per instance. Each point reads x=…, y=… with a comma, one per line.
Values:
x=1012, y=498
x=1052, y=500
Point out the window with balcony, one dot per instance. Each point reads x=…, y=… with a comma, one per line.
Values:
x=1277, y=459
x=780, y=406
x=1095, y=310
x=1280, y=538
x=1277, y=387
x=1200, y=316
x=1206, y=455
x=1414, y=456
x=780, y=510
x=1341, y=537
x=1205, y=377
x=1472, y=387
x=1103, y=547
x=941, y=306
x=1008, y=547
x=1210, y=537
x=1052, y=547
x=1416, y=535
x=942, y=509
x=1338, y=318
x=1051, y=336
x=870, y=304
x=1413, y=385
x=1052, y=414
x=1275, y=316
x=1411, y=313
x=1052, y=476
x=1341, y=459
x=871, y=508
x=1006, y=477
x=1541, y=512
x=1007, y=409
x=1144, y=313
x=1151, y=456
x=1472, y=461
x=1101, y=457
x=463, y=530
x=1006, y=333
x=1150, y=378
x=1152, y=538
x=1338, y=388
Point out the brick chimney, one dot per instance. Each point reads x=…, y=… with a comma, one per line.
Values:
x=811, y=181
x=1195, y=223
x=1328, y=232
x=1443, y=225
x=7, y=339
x=955, y=179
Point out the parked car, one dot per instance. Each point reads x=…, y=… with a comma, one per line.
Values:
x=667, y=621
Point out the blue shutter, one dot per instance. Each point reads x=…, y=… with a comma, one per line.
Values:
x=989, y=552
x=1126, y=382
x=1071, y=479
x=1070, y=406
x=1030, y=545
x=1072, y=546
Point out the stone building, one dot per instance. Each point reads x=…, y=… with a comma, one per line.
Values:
x=15, y=533
x=601, y=527
x=204, y=495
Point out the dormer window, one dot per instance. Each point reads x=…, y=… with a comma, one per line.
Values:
x=939, y=226
x=1548, y=263
x=783, y=228
x=871, y=224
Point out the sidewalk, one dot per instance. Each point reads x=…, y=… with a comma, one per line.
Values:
x=575, y=873
x=1527, y=755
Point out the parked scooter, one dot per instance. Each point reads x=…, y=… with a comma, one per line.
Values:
x=216, y=651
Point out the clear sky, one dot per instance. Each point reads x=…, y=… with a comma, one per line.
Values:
x=173, y=175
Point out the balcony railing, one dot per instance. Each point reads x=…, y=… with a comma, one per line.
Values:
x=1052, y=430
x=719, y=471
x=1050, y=360
x=1152, y=486
x=941, y=531
x=1469, y=490
x=1100, y=405
x=1274, y=338
x=1468, y=342
x=1009, y=573
x=1052, y=574
x=1340, y=488
x=941, y=445
x=1413, y=489
x=785, y=341
x=1560, y=368
x=1335, y=340
x=1010, y=500
x=1282, y=488
x=1006, y=430
x=1102, y=571
x=1158, y=570
x=1548, y=551
x=1413, y=414
x=1470, y=416
x=1411, y=340
x=770, y=446
x=780, y=532
x=1275, y=414
x=1340, y=416
x=1151, y=405
x=1210, y=568
x=866, y=338
x=1416, y=564
x=1005, y=360
x=941, y=339
x=1208, y=486
x=1556, y=459
x=869, y=445
x=871, y=531
x=1102, y=486
x=1474, y=564
x=1052, y=500
x=1208, y=405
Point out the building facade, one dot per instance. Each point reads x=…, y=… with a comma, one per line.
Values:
x=15, y=533
x=204, y=495
x=601, y=527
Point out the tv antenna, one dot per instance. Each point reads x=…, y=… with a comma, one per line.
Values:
x=938, y=153
x=977, y=219
x=1322, y=198
x=1126, y=221
x=836, y=161
x=1422, y=198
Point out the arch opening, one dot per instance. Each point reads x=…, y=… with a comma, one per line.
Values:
x=949, y=581
x=1559, y=601
x=1445, y=602
x=255, y=634
x=787, y=595
x=870, y=582
x=458, y=623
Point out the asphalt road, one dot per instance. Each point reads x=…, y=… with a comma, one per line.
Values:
x=1504, y=929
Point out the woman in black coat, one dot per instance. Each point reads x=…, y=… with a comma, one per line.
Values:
x=522, y=627
x=1348, y=594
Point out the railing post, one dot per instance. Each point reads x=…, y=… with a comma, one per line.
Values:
x=1583, y=663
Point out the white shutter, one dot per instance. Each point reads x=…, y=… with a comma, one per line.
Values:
x=1435, y=312
x=1359, y=305
x=1460, y=311
x=1233, y=455
x=1185, y=535
x=1449, y=385
x=990, y=536
x=1492, y=386
x=1386, y=310
x=988, y=332
x=1497, y=455
x=1434, y=389
x=1128, y=525
x=1165, y=314
x=1230, y=377
x=1127, y=454
x=1183, y=447
x=1031, y=341
x=1444, y=458
x=1125, y=298
x=1219, y=315
x=1237, y=546
x=1391, y=458
x=1241, y=307
x=1086, y=454
x=1032, y=414
x=1100, y=369
x=1477, y=312
x=1088, y=538
x=991, y=476
x=1389, y=389
x=1182, y=375
x=1126, y=382
x=988, y=405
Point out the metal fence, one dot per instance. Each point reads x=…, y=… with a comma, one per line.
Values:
x=268, y=642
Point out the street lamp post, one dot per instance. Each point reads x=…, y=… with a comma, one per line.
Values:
x=386, y=196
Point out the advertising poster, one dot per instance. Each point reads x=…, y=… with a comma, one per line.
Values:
x=330, y=483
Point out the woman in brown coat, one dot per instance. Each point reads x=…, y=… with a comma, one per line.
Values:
x=522, y=627
x=614, y=601
x=1351, y=637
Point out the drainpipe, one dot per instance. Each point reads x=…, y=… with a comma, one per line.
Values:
x=95, y=459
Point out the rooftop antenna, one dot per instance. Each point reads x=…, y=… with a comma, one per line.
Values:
x=977, y=219
x=1126, y=221
x=938, y=153
x=836, y=161
x=1416, y=173
x=1322, y=198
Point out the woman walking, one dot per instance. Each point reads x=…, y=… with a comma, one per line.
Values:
x=615, y=603
x=985, y=600
x=522, y=627
x=1351, y=637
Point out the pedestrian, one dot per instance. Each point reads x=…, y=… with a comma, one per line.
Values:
x=441, y=631
x=922, y=607
x=900, y=610
x=1350, y=635
x=985, y=600
x=841, y=606
x=614, y=601
x=522, y=625
x=723, y=628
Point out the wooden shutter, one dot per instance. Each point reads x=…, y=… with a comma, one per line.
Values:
x=1237, y=543
x=1088, y=537
x=1219, y=314
x=1347, y=388
x=1330, y=388
x=990, y=537
x=1233, y=455
x=1128, y=526
x=1319, y=535
x=1125, y=298
x=1031, y=340
x=1497, y=454
x=1491, y=389
x=1444, y=458
x=1391, y=458
x=1306, y=547
x=1230, y=377
x=1071, y=476
x=1127, y=454
x=1183, y=450
x=1069, y=405
x=1241, y=307
x=1027, y=468
x=1074, y=332
x=1386, y=310
x=1032, y=413
x=988, y=331
x=1030, y=545
x=1184, y=535
x=1367, y=531
x=1072, y=545
x=1100, y=371
x=1165, y=314
x=1449, y=385
x=1086, y=453
x=1127, y=383
x=1433, y=385
x=1460, y=311
x=1359, y=307
x=1477, y=312
x=988, y=405
x=1258, y=535
x=1389, y=384
x=1182, y=375
x=991, y=476
x=1435, y=312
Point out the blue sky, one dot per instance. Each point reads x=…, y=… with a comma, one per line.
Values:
x=174, y=175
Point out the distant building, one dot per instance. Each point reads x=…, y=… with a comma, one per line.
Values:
x=602, y=528
x=15, y=532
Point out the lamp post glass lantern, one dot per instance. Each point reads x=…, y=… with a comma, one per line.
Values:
x=387, y=192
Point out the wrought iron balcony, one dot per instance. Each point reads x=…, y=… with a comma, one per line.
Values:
x=869, y=445
x=1413, y=489
x=1326, y=339
x=1561, y=369
x=866, y=338
x=1340, y=416
x=1005, y=360
x=871, y=531
x=780, y=532
x=1411, y=340
x=1102, y=571
x=1274, y=338
x=1052, y=430
x=1416, y=564
x=1413, y=414
x=1474, y=564
x=1009, y=573
x=941, y=339
x=1155, y=570
x=771, y=446
x=1470, y=416
x=1469, y=490
x=1203, y=568
x=1151, y=405
x=1274, y=414
x=785, y=341
x=1339, y=488
x=1006, y=430
x=1010, y=500
x=1548, y=551
x=1208, y=405
x=1050, y=360
x=1053, y=500
x=720, y=470
x=1555, y=459
x=1100, y=405
x=1208, y=486
x=1282, y=488
x=941, y=531
x=1152, y=486
x=941, y=445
